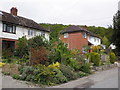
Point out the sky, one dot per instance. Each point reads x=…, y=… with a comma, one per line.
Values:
x=77, y=12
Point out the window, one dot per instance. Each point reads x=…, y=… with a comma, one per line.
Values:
x=42, y=33
x=65, y=35
x=84, y=35
x=89, y=37
x=98, y=40
x=9, y=28
x=95, y=39
x=30, y=32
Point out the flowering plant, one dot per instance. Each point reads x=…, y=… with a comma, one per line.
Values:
x=1, y=64
x=55, y=65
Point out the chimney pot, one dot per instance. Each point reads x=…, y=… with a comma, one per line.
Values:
x=13, y=11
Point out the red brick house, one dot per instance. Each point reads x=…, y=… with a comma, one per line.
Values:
x=77, y=37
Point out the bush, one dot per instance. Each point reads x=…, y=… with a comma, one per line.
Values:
x=82, y=74
x=97, y=59
x=86, y=68
x=68, y=72
x=7, y=60
x=1, y=64
x=16, y=76
x=6, y=73
x=73, y=63
x=92, y=57
x=39, y=55
x=112, y=57
x=59, y=76
x=22, y=48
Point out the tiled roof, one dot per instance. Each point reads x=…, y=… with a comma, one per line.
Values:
x=76, y=28
x=17, y=20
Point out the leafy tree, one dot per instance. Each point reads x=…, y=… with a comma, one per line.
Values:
x=37, y=42
x=22, y=47
x=105, y=41
x=116, y=32
x=38, y=50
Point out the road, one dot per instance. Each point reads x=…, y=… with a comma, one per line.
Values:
x=102, y=79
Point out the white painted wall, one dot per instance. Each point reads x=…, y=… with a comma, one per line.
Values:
x=20, y=31
x=0, y=29
x=94, y=40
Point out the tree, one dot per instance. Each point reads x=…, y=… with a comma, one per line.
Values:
x=116, y=32
x=105, y=41
x=38, y=50
x=22, y=47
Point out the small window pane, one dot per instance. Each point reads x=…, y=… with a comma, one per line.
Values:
x=66, y=35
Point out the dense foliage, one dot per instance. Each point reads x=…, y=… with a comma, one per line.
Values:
x=112, y=57
x=116, y=32
x=22, y=47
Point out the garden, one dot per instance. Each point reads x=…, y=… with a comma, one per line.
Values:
x=50, y=63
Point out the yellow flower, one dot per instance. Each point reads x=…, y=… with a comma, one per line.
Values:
x=56, y=65
x=1, y=64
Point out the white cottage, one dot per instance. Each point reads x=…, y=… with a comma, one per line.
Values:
x=13, y=27
x=94, y=40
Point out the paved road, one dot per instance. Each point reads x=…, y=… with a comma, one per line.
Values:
x=103, y=79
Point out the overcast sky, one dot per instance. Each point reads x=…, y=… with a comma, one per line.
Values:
x=78, y=12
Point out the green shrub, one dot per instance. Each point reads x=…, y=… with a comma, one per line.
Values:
x=59, y=76
x=112, y=57
x=29, y=77
x=74, y=64
x=68, y=72
x=6, y=73
x=82, y=74
x=16, y=76
x=22, y=47
x=7, y=60
x=27, y=69
x=97, y=59
x=92, y=57
x=23, y=76
x=86, y=68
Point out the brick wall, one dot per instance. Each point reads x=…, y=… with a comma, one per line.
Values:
x=75, y=40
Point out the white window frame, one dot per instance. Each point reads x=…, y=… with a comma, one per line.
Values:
x=66, y=35
x=31, y=32
x=84, y=35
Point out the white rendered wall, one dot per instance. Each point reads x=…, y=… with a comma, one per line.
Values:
x=0, y=29
x=20, y=31
x=94, y=40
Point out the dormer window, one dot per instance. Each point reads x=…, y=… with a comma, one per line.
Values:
x=84, y=35
x=9, y=28
x=65, y=35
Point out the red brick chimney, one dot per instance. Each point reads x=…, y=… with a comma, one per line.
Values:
x=13, y=11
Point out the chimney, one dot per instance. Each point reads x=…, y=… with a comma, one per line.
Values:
x=13, y=11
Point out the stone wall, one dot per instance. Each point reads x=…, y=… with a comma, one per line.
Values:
x=104, y=67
